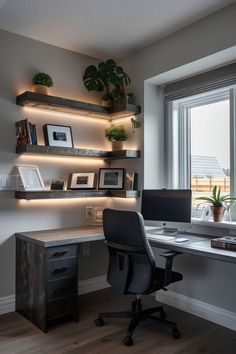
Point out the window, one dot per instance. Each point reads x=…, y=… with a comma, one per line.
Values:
x=200, y=143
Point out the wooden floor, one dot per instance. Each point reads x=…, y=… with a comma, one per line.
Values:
x=17, y=335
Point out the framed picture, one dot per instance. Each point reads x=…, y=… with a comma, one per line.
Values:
x=31, y=178
x=111, y=178
x=81, y=181
x=58, y=135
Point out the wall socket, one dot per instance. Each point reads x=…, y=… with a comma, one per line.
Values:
x=89, y=212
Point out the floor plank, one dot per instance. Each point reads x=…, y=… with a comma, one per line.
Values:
x=19, y=336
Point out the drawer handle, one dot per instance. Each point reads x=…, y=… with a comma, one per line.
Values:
x=60, y=253
x=62, y=288
x=61, y=270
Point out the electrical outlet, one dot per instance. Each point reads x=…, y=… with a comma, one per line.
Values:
x=86, y=249
x=89, y=212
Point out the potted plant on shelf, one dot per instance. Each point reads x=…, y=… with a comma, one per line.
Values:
x=108, y=78
x=41, y=82
x=218, y=203
x=116, y=134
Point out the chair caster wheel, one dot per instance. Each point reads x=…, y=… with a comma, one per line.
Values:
x=176, y=333
x=163, y=315
x=99, y=322
x=128, y=341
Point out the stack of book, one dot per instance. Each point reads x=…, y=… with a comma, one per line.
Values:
x=26, y=133
x=227, y=243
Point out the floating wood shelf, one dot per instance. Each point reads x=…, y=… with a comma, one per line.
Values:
x=61, y=151
x=65, y=105
x=32, y=195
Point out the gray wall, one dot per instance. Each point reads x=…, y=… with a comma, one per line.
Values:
x=20, y=59
x=206, y=280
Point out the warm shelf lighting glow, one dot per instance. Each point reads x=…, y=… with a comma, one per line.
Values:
x=57, y=114
x=64, y=202
x=65, y=160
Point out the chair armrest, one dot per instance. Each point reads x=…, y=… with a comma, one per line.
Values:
x=168, y=255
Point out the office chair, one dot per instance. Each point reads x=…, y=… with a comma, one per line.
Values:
x=132, y=269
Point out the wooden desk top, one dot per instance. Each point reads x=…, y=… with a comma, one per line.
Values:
x=59, y=237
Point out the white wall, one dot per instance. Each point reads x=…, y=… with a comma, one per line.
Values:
x=213, y=37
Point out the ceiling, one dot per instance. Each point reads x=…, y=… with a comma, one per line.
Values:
x=102, y=28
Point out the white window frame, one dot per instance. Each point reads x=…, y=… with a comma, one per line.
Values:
x=178, y=146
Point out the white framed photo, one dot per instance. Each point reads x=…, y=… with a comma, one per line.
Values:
x=81, y=181
x=111, y=178
x=31, y=178
x=58, y=135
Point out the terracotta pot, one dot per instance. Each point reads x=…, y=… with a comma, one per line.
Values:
x=40, y=89
x=117, y=145
x=217, y=213
x=107, y=103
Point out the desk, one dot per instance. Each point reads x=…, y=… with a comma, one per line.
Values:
x=47, y=273
x=47, y=269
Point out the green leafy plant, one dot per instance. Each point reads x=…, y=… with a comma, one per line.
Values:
x=216, y=199
x=42, y=79
x=116, y=133
x=108, y=78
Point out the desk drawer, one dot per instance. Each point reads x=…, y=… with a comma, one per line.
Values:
x=60, y=288
x=59, y=252
x=63, y=268
x=63, y=307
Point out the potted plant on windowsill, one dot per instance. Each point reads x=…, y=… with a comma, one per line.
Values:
x=41, y=82
x=116, y=134
x=218, y=203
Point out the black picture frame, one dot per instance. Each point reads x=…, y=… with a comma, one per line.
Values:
x=104, y=178
x=55, y=135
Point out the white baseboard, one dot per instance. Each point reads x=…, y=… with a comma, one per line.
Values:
x=93, y=284
x=208, y=312
x=7, y=304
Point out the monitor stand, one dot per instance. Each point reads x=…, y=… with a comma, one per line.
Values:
x=165, y=231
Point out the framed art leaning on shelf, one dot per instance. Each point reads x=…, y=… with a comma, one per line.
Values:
x=111, y=178
x=31, y=178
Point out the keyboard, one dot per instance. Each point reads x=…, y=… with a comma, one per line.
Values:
x=160, y=237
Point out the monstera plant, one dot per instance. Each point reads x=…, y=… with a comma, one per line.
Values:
x=108, y=78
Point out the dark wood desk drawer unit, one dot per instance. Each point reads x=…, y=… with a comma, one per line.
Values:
x=46, y=282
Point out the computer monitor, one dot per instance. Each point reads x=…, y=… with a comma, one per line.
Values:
x=169, y=207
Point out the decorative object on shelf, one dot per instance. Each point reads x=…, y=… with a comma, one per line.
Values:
x=217, y=203
x=57, y=184
x=131, y=181
x=111, y=178
x=31, y=178
x=206, y=213
x=81, y=181
x=25, y=133
x=135, y=123
x=116, y=134
x=41, y=82
x=58, y=135
x=108, y=78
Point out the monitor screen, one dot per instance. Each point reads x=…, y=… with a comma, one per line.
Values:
x=172, y=205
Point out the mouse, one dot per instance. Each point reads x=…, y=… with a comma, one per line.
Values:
x=181, y=239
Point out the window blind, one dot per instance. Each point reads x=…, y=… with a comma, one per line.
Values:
x=207, y=81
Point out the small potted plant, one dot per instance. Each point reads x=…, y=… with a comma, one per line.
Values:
x=116, y=134
x=218, y=203
x=41, y=82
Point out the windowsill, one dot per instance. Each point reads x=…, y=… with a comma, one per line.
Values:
x=211, y=223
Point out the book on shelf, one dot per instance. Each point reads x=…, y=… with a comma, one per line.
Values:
x=25, y=132
x=131, y=182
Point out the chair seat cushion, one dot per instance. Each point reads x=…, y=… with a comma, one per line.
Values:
x=160, y=276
